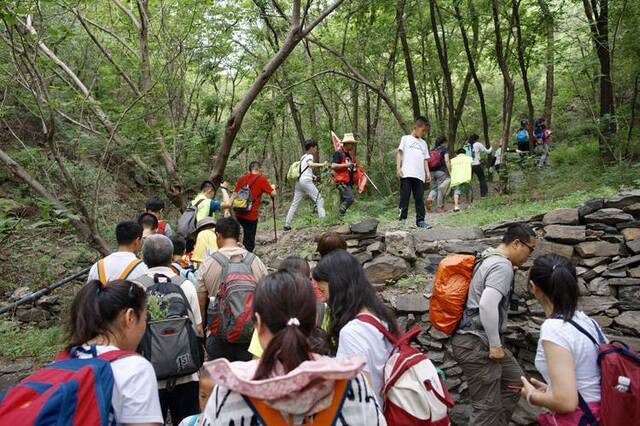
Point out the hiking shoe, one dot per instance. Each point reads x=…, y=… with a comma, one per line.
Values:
x=428, y=204
x=456, y=209
x=424, y=225
x=287, y=228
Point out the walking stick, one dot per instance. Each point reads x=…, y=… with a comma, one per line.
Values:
x=275, y=231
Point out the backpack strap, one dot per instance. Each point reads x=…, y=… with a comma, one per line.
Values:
x=156, y=280
x=586, y=333
x=102, y=276
x=248, y=259
x=371, y=320
x=271, y=416
x=116, y=355
x=129, y=269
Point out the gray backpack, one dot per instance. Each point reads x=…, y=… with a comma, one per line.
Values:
x=187, y=222
x=170, y=343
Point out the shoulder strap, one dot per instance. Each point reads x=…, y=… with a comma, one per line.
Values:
x=271, y=416
x=371, y=320
x=586, y=333
x=198, y=203
x=117, y=354
x=102, y=276
x=248, y=259
x=129, y=269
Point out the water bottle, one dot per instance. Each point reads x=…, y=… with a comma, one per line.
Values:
x=623, y=384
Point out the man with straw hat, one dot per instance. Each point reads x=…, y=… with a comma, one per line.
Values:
x=344, y=165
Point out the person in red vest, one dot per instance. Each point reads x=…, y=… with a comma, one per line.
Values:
x=258, y=185
x=155, y=206
x=344, y=165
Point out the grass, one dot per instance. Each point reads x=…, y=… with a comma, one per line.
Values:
x=18, y=341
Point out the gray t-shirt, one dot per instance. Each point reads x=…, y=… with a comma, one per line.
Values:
x=495, y=271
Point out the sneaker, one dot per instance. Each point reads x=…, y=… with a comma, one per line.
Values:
x=287, y=228
x=456, y=209
x=424, y=225
x=428, y=204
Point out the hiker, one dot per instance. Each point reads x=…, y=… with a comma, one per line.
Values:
x=543, y=135
x=413, y=170
x=566, y=358
x=490, y=369
x=180, y=262
x=155, y=206
x=254, y=184
x=330, y=241
x=498, y=158
x=476, y=164
x=440, y=168
x=149, y=223
x=206, y=241
x=179, y=395
x=277, y=389
x=205, y=386
x=461, y=178
x=344, y=165
x=205, y=203
x=304, y=184
x=210, y=277
x=522, y=138
x=351, y=294
x=123, y=263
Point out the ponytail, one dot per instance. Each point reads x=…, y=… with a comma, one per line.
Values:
x=556, y=277
x=96, y=307
x=286, y=305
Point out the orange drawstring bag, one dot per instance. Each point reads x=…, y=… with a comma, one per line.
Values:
x=450, y=289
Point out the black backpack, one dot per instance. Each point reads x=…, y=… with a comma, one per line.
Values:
x=170, y=343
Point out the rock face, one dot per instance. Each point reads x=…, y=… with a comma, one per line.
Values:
x=367, y=226
x=592, y=305
x=565, y=234
x=631, y=234
x=385, y=268
x=401, y=244
x=634, y=246
x=629, y=321
x=590, y=206
x=561, y=217
x=546, y=247
x=446, y=234
x=608, y=216
x=597, y=248
x=412, y=302
x=623, y=200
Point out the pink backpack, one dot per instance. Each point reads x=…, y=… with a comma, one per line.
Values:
x=413, y=391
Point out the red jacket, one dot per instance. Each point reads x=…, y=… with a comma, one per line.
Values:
x=343, y=176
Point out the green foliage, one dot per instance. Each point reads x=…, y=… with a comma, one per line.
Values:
x=415, y=281
x=29, y=341
x=157, y=308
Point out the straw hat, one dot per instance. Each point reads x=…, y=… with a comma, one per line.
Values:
x=348, y=138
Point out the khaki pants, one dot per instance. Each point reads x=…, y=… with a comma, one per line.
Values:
x=492, y=402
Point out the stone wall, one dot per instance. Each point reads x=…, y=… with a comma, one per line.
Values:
x=601, y=236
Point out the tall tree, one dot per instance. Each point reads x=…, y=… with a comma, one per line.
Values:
x=406, y=51
x=524, y=68
x=549, y=58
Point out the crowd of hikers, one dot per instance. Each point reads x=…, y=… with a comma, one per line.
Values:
x=301, y=345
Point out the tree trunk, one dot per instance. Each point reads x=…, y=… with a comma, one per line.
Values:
x=356, y=107
x=523, y=70
x=415, y=100
x=549, y=59
x=297, y=121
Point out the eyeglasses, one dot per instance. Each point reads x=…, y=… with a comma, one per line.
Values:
x=531, y=249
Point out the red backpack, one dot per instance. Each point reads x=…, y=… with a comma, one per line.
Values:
x=435, y=160
x=413, y=391
x=615, y=359
x=70, y=391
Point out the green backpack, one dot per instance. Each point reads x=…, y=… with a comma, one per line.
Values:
x=294, y=171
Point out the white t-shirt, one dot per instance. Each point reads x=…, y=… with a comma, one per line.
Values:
x=478, y=149
x=360, y=338
x=498, y=155
x=189, y=291
x=135, y=391
x=414, y=154
x=306, y=171
x=115, y=263
x=584, y=352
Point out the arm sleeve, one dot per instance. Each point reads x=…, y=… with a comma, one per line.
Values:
x=350, y=344
x=259, y=270
x=214, y=206
x=238, y=185
x=489, y=315
x=551, y=331
x=93, y=273
x=200, y=276
x=265, y=185
x=135, y=396
x=190, y=292
x=401, y=146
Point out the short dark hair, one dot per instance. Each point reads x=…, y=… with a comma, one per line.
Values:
x=295, y=264
x=474, y=138
x=441, y=140
x=179, y=245
x=127, y=232
x=461, y=151
x=228, y=227
x=254, y=165
x=329, y=242
x=518, y=231
x=309, y=143
x=148, y=220
x=206, y=184
x=422, y=121
x=154, y=204
x=556, y=277
x=524, y=122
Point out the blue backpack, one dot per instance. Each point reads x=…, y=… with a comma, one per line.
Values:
x=69, y=391
x=522, y=136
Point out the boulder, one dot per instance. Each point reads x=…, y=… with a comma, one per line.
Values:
x=597, y=248
x=547, y=247
x=631, y=234
x=592, y=305
x=377, y=247
x=561, y=217
x=620, y=273
x=367, y=226
x=363, y=257
x=625, y=262
x=465, y=248
x=630, y=224
x=413, y=302
x=602, y=228
x=594, y=272
x=624, y=281
x=633, y=209
x=592, y=262
x=19, y=293
x=343, y=229
x=521, y=284
x=629, y=296
x=623, y=199
x=433, y=260
x=629, y=322
x=446, y=234
x=428, y=246
x=634, y=246
x=401, y=244
x=634, y=272
x=590, y=206
x=565, y=233
x=384, y=268
x=352, y=243
x=608, y=216
x=600, y=287
x=603, y=320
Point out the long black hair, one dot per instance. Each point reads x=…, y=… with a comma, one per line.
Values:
x=287, y=307
x=96, y=307
x=556, y=277
x=349, y=292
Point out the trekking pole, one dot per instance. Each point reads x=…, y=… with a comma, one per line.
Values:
x=275, y=231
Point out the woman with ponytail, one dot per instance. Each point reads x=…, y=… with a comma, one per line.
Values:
x=566, y=357
x=289, y=384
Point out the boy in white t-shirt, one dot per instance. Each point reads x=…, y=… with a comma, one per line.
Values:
x=413, y=170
